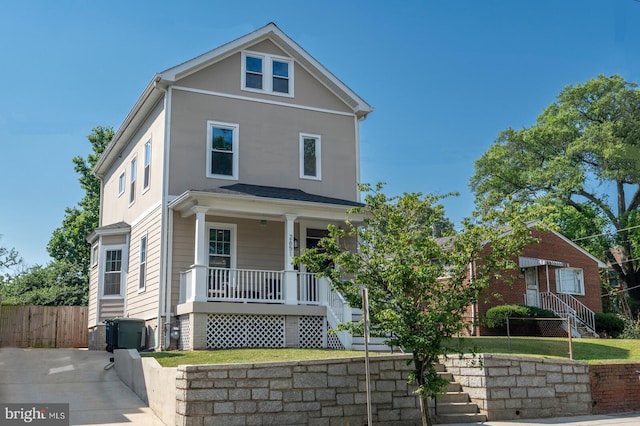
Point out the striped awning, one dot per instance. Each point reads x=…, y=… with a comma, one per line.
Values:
x=530, y=262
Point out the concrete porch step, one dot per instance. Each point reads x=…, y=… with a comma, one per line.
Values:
x=451, y=397
x=460, y=418
x=457, y=408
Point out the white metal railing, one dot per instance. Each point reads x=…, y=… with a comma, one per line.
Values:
x=568, y=306
x=585, y=315
x=308, y=289
x=244, y=285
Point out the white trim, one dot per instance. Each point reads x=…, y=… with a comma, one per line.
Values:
x=356, y=126
x=318, y=155
x=235, y=151
x=123, y=271
x=166, y=235
x=267, y=73
x=146, y=185
x=133, y=178
x=95, y=254
x=122, y=182
x=580, y=273
x=234, y=243
x=264, y=101
x=143, y=288
x=146, y=213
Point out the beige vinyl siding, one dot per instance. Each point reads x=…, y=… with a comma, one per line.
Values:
x=144, y=304
x=93, y=296
x=260, y=247
x=225, y=76
x=268, y=145
x=111, y=308
x=116, y=208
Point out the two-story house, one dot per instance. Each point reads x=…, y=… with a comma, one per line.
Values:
x=226, y=166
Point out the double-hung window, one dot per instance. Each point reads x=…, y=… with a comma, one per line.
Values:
x=112, y=276
x=570, y=280
x=121, y=183
x=262, y=72
x=310, y=155
x=142, y=275
x=222, y=150
x=132, y=181
x=146, y=179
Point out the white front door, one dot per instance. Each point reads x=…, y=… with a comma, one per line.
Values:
x=533, y=288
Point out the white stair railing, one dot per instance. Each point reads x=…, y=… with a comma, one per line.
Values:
x=567, y=306
x=338, y=310
x=584, y=315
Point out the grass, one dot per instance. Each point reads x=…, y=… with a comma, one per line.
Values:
x=593, y=351
x=241, y=356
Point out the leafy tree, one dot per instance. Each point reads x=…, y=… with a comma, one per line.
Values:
x=9, y=257
x=402, y=264
x=58, y=283
x=583, y=153
x=68, y=242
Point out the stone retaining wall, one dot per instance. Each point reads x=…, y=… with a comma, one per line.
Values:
x=509, y=388
x=615, y=388
x=319, y=392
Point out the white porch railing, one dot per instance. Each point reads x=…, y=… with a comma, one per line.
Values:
x=308, y=289
x=244, y=285
x=338, y=310
x=568, y=306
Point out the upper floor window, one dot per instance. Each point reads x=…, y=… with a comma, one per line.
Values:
x=121, y=183
x=222, y=150
x=132, y=181
x=310, y=167
x=146, y=179
x=570, y=280
x=267, y=73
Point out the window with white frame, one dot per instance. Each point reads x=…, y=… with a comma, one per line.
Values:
x=132, y=181
x=142, y=274
x=146, y=179
x=263, y=72
x=121, y=183
x=112, y=275
x=222, y=150
x=570, y=280
x=310, y=155
x=94, y=255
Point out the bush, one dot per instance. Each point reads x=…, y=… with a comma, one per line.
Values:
x=631, y=329
x=610, y=325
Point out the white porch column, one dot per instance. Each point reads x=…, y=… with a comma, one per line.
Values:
x=290, y=275
x=199, y=291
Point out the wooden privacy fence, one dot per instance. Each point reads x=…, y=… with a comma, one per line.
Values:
x=30, y=326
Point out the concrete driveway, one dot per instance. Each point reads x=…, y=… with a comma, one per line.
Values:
x=76, y=376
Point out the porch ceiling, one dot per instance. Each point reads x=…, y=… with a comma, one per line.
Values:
x=258, y=202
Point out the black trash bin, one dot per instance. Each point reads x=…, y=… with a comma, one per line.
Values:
x=124, y=333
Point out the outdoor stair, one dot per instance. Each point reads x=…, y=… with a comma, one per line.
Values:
x=455, y=405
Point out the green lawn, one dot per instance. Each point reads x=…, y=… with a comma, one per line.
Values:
x=591, y=350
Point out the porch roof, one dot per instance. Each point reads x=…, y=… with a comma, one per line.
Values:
x=251, y=200
x=529, y=262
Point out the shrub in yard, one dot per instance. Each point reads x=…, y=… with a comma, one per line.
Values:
x=610, y=325
x=497, y=315
x=631, y=329
x=535, y=312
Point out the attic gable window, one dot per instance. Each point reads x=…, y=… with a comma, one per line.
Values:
x=266, y=73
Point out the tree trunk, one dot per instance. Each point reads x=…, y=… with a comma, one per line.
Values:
x=424, y=410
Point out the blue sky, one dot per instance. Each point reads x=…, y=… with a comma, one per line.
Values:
x=444, y=76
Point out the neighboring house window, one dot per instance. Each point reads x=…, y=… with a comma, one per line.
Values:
x=146, y=180
x=143, y=263
x=222, y=150
x=570, y=280
x=132, y=181
x=310, y=156
x=267, y=73
x=121, y=183
x=112, y=272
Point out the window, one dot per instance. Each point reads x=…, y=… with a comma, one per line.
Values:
x=570, y=280
x=121, y=183
x=146, y=179
x=143, y=263
x=310, y=157
x=132, y=181
x=112, y=272
x=94, y=255
x=222, y=150
x=267, y=73
x=219, y=248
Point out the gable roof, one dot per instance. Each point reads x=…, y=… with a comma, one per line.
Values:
x=154, y=91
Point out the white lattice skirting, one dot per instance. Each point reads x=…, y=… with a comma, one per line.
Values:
x=310, y=332
x=184, y=343
x=245, y=331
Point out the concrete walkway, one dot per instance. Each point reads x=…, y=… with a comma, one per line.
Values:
x=76, y=376
x=628, y=419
